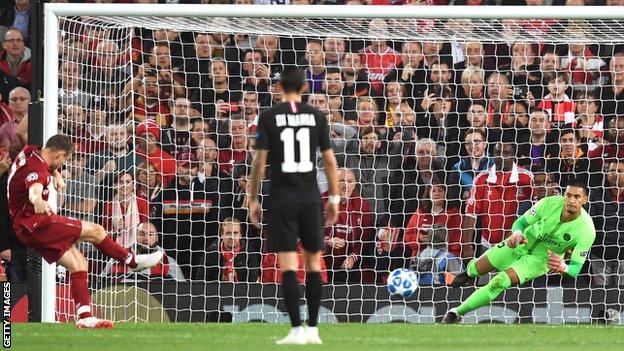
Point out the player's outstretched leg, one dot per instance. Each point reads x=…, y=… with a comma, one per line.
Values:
x=476, y=268
x=76, y=264
x=289, y=262
x=314, y=290
x=95, y=234
x=482, y=296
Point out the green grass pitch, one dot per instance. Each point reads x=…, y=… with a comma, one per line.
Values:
x=351, y=337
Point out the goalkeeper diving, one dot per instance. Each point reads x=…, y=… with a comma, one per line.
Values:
x=540, y=238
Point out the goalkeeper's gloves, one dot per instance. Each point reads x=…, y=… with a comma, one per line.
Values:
x=517, y=238
x=556, y=264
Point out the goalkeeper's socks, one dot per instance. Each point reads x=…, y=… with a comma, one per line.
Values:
x=485, y=294
x=314, y=289
x=80, y=292
x=116, y=251
x=290, y=289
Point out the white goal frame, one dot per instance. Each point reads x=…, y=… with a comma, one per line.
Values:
x=54, y=10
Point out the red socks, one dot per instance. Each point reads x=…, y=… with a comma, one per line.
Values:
x=80, y=292
x=116, y=251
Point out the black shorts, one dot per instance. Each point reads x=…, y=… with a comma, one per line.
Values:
x=293, y=221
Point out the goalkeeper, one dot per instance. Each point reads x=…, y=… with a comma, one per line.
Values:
x=551, y=228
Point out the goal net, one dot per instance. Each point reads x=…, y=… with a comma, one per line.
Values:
x=446, y=130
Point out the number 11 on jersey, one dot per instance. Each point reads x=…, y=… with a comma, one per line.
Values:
x=287, y=136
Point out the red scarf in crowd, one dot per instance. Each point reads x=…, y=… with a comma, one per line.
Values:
x=229, y=273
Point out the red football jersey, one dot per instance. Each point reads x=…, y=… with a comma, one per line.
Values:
x=497, y=202
x=29, y=168
x=378, y=65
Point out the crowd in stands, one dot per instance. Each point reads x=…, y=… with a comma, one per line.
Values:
x=441, y=145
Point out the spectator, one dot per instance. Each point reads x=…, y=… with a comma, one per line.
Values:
x=378, y=58
x=218, y=95
x=112, y=77
x=148, y=136
x=477, y=161
x=440, y=74
x=149, y=187
x=316, y=69
x=334, y=49
x=370, y=166
x=256, y=72
x=19, y=99
x=321, y=103
x=557, y=104
x=70, y=91
x=514, y=124
x=126, y=211
x=355, y=76
x=146, y=242
x=12, y=251
x=533, y=154
x=116, y=158
x=550, y=62
x=607, y=263
x=437, y=212
x=144, y=92
x=474, y=55
x=494, y=200
x=239, y=149
x=582, y=66
x=367, y=113
x=394, y=97
x=567, y=161
x=178, y=133
x=197, y=66
x=500, y=93
x=588, y=122
x=271, y=269
x=612, y=94
x=411, y=71
x=441, y=123
x=250, y=109
x=352, y=234
x=200, y=131
x=545, y=185
x=227, y=260
x=340, y=104
x=95, y=130
x=188, y=216
x=81, y=194
x=16, y=16
x=15, y=59
x=472, y=87
x=269, y=46
x=611, y=146
x=409, y=178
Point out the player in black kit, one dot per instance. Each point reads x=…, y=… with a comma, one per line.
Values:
x=288, y=136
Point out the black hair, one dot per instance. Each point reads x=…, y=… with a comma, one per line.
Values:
x=579, y=183
x=292, y=80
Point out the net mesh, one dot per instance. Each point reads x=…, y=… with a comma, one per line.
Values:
x=163, y=113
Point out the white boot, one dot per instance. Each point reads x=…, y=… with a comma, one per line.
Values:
x=94, y=323
x=297, y=336
x=147, y=261
x=312, y=336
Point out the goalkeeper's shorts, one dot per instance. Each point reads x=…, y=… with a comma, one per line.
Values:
x=527, y=266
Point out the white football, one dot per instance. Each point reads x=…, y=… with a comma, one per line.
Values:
x=402, y=282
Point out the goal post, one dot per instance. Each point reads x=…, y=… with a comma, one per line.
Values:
x=81, y=28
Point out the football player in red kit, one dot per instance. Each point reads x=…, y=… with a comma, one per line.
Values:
x=34, y=177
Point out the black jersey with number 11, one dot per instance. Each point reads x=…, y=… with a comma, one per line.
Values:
x=292, y=132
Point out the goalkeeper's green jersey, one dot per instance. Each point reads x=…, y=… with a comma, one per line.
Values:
x=545, y=232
